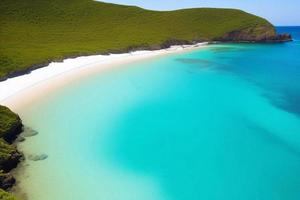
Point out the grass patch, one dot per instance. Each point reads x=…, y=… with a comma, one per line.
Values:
x=6, y=196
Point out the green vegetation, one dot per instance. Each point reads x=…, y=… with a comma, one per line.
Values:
x=8, y=120
x=6, y=196
x=6, y=150
x=35, y=32
x=10, y=126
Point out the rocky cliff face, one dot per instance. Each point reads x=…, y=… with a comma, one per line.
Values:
x=255, y=34
x=10, y=127
x=282, y=38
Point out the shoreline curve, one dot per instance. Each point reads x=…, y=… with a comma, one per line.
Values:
x=57, y=74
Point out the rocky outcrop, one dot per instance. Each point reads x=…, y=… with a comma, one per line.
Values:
x=13, y=132
x=10, y=128
x=11, y=161
x=281, y=38
x=255, y=34
x=6, y=180
x=10, y=125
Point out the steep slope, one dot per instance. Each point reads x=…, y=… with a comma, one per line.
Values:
x=10, y=127
x=34, y=32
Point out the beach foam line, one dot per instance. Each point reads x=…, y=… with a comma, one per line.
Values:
x=13, y=86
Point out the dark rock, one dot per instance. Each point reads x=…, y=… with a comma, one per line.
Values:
x=14, y=131
x=20, y=139
x=10, y=128
x=11, y=162
x=38, y=157
x=282, y=38
x=6, y=181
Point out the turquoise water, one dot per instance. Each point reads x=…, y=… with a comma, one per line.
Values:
x=216, y=123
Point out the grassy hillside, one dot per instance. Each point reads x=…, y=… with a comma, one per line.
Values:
x=35, y=32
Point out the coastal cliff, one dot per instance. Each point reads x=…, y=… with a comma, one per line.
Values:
x=33, y=36
x=255, y=34
x=10, y=128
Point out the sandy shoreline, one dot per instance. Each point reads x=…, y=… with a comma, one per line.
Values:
x=19, y=91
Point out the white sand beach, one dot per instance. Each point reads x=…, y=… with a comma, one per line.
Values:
x=19, y=91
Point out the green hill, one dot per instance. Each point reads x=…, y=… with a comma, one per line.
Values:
x=34, y=32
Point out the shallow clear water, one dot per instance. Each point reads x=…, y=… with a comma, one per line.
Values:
x=217, y=123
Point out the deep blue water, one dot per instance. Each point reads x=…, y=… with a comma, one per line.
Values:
x=220, y=123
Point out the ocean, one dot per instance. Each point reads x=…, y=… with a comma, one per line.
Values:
x=218, y=123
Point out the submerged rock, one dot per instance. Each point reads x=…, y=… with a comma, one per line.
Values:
x=29, y=132
x=20, y=139
x=38, y=157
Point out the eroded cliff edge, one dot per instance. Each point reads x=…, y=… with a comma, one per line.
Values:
x=258, y=33
x=10, y=127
